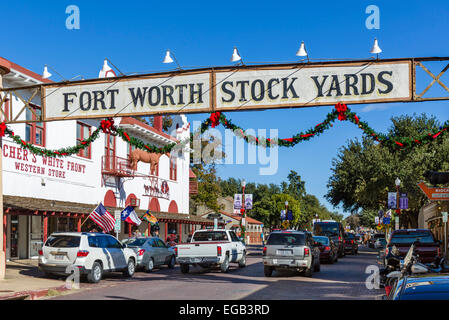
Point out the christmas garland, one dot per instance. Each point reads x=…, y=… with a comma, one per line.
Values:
x=341, y=112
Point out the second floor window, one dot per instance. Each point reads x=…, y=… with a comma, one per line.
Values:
x=35, y=131
x=173, y=168
x=82, y=133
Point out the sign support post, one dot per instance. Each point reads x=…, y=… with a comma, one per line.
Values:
x=444, y=214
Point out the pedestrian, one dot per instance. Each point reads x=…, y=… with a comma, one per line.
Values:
x=262, y=238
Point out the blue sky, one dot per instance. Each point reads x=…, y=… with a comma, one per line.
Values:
x=135, y=34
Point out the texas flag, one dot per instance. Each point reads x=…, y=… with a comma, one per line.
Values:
x=130, y=216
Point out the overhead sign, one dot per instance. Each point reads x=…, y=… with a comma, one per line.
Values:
x=230, y=88
x=248, y=201
x=237, y=201
x=392, y=200
x=434, y=193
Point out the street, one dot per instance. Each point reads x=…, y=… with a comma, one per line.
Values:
x=342, y=280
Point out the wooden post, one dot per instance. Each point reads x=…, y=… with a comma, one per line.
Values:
x=45, y=222
x=166, y=230
x=78, y=227
x=2, y=230
x=4, y=233
x=180, y=232
x=129, y=230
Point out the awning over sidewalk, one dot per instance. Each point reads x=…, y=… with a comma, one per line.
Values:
x=44, y=207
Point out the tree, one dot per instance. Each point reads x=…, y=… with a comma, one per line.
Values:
x=364, y=172
x=208, y=187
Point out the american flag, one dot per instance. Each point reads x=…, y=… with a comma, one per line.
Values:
x=103, y=218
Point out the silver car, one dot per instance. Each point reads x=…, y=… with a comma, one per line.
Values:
x=151, y=252
x=291, y=249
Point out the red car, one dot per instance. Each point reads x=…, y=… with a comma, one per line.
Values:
x=328, y=249
x=427, y=247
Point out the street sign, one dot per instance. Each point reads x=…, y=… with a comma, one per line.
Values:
x=380, y=214
x=403, y=203
x=392, y=200
x=282, y=214
x=434, y=193
x=237, y=201
x=396, y=220
x=248, y=201
x=289, y=215
x=444, y=214
x=118, y=221
x=386, y=221
x=376, y=220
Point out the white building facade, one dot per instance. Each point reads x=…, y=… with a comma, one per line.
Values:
x=46, y=194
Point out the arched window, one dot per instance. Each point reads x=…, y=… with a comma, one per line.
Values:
x=128, y=199
x=154, y=205
x=109, y=199
x=173, y=207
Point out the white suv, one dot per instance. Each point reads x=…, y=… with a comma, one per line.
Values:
x=91, y=253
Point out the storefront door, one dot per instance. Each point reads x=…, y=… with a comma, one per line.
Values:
x=36, y=236
x=14, y=238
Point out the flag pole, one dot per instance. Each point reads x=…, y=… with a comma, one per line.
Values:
x=85, y=220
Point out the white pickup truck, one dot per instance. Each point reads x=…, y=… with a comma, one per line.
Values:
x=211, y=247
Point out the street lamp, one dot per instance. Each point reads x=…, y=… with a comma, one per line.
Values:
x=398, y=184
x=243, y=211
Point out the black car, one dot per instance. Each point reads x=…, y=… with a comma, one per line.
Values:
x=350, y=243
x=432, y=286
x=332, y=229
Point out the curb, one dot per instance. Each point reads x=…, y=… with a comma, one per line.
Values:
x=32, y=294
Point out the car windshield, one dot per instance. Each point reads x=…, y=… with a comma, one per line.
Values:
x=349, y=236
x=326, y=228
x=295, y=239
x=412, y=236
x=322, y=240
x=63, y=241
x=136, y=242
x=210, y=236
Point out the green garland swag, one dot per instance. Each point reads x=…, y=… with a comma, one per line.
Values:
x=341, y=112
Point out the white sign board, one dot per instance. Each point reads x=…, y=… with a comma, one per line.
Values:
x=444, y=214
x=143, y=95
x=230, y=88
x=118, y=220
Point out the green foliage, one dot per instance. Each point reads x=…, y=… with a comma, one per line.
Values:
x=208, y=188
x=364, y=172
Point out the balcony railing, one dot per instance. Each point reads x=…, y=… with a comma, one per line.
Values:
x=116, y=166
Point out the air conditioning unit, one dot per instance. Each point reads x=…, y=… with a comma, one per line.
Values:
x=134, y=202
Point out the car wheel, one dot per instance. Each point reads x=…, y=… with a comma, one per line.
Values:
x=149, y=266
x=184, y=268
x=130, y=269
x=268, y=271
x=331, y=259
x=172, y=262
x=353, y=252
x=225, y=265
x=242, y=262
x=95, y=274
x=308, y=272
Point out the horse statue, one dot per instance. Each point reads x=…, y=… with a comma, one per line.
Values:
x=147, y=157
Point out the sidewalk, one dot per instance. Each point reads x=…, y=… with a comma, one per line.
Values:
x=23, y=280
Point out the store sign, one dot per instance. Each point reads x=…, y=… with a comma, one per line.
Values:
x=18, y=160
x=230, y=88
x=434, y=193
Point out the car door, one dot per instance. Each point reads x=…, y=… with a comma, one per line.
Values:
x=104, y=254
x=237, y=247
x=165, y=253
x=116, y=251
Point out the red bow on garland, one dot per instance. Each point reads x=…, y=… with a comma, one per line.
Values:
x=341, y=109
x=215, y=119
x=107, y=125
x=2, y=129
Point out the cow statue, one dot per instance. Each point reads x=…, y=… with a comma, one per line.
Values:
x=147, y=157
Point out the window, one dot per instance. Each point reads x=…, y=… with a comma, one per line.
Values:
x=109, y=151
x=286, y=239
x=113, y=243
x=210, y=236
x=63, y=242
x=82, y=133
x=234, y=238
x=34, y=131
x=173, y=175
x=131, y=148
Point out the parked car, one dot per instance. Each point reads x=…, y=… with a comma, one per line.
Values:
x=152, y=252
x=328, y=249
x=373, y=239
x=291, y=249
x=380, y=243
x=358, y=238
x=433, y=286
x=209, y=248
x=333, y=230
x=92, y=254
x=350, y=243
x=426, y=246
